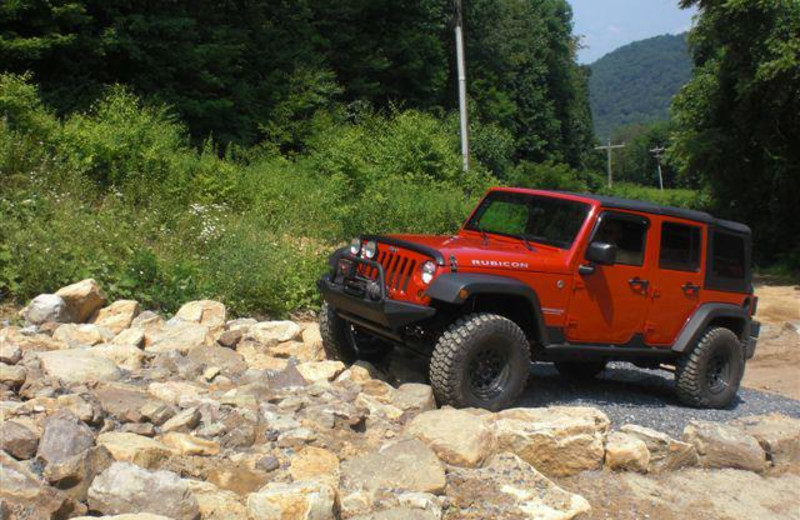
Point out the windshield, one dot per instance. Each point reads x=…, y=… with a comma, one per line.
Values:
x=546, y=220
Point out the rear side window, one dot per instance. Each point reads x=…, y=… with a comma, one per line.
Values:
x=728, y=257
x=680, y=247
x=728, y=264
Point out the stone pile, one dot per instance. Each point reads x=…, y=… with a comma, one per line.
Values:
x=112, y=410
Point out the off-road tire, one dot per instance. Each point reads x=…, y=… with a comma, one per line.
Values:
x=464, y=348
x=694, y=374
x=336, y=340
x=341, y=343
x=580, y=371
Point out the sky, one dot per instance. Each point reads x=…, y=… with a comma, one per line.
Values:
x=605, y=25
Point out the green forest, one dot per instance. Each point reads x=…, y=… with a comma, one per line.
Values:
x=180, y=150
x=635, y=84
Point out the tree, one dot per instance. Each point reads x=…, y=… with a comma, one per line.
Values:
x=636, y=162
x=739, y=118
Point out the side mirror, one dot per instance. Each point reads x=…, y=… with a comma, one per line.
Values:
x=602, y=253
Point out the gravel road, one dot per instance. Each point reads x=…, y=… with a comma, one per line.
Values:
x=628, y=394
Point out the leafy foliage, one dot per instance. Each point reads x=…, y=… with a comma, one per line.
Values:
x=737, y=120
x=635, y=84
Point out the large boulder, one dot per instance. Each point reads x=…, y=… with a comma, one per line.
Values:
x=78, y=334
x=558, y=441
x=507, y=488
x=126, y=357
x=75, y=474
x=45, y=308
x=316, y=371
x=295, y=501
x=76, y=366
x=268, y=333
x=82, y=299
x=626, y=452
x=24, y=495
x=118, y=316
x=64, y=436
x=724, y=446
x=457, y=437
x=126, y=488
x=10, y=353
x=229, y=362
x=205, y=312
x=126, y=403
x=407, y=465
x=666, y=453
x=136, y=449
x=181, y=336
x=12, y=375
x=778, y=435
x=18, y=440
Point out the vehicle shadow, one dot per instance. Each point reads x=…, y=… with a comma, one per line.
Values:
x=617, y=385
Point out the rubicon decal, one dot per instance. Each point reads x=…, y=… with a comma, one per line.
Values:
x=497, y=263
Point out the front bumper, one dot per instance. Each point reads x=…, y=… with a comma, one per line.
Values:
x=751, y=340
x=337, y=290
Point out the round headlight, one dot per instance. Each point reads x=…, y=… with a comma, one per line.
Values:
x=355, y=246
x=370, y=249
x=428, y=270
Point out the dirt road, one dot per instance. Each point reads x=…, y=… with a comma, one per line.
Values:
x=776, y=365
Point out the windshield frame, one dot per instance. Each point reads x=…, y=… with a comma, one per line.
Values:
x=474, y=218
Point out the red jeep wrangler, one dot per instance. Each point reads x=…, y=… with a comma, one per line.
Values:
x=578, y=280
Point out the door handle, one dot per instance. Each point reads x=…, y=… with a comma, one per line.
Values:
x=638, y=282
x=689, y=287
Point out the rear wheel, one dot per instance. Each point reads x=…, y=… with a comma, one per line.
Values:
x=344, y=342
x=708, y=376
x=580, y=371
x=481, y=360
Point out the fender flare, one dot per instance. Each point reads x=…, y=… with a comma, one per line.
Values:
x=448, y=288
x=699, y=321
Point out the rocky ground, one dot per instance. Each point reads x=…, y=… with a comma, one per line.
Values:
x=108, y=409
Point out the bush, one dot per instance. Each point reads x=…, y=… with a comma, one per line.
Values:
x=119, y=194
x=681, y=198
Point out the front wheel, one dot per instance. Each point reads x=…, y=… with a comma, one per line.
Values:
x=481, y=360
x=708, y=376
x=343, y=342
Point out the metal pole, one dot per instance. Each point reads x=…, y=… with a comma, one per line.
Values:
x=462, y=85
x=608, y=149
x=657, y=153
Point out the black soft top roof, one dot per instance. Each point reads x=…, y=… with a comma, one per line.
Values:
x=649, y=207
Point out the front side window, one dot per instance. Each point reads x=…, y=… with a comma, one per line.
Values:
x=546, y=220
x=680, y=247
x=627, y=233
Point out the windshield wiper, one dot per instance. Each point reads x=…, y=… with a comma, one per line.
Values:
x=527, y=243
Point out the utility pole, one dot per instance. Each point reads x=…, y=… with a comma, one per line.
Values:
x=657, y=152
x=608, y=149
x=462, y=82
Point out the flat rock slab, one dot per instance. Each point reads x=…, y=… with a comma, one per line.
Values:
x=76, y=366
x=778, y=435
x=126, y=488
x=408, y=465
x=725, y=446
x=508, y=488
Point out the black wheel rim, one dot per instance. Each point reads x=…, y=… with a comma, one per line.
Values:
x=488, y=373
x=718, y=372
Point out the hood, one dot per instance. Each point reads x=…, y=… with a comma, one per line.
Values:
x=473, y=252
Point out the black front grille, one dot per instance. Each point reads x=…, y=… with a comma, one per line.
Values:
x=398, y=269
